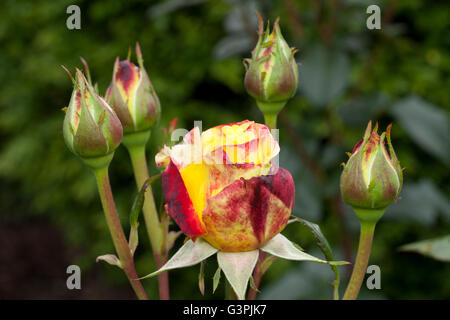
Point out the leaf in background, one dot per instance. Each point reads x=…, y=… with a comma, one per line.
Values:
x=308, y=192
x=420, y=202
x=357, y=112
x=305, y=281
x=302, y=281
x=426, y=124
x=241, y=16
x=168, y=7
x=240, y=24
x=437, y=248
x=232, y=45
x=323, y=75
x=307, y=200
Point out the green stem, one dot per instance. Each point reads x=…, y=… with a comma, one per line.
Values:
x=368, y=219
x=138, y=160
x=270, y=111
x=135, y=143
x=116, y=231
x=271, y=120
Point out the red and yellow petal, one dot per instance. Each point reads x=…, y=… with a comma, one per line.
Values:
x=179, y=203
x=203, y=181
x=281, y=185
x=237, y=143
x=127, y=77
x=248, y=213
x=221, y=176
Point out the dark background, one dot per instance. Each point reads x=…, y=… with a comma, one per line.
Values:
x=50, y=213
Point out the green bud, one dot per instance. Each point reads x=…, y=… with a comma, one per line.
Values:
x=372, y=179
x=91, y=128
x=272, y=73
x=132, y=96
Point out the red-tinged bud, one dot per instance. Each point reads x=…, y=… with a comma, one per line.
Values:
x=372, y=178
x=91, y=128
x=132, y=96
x=272, y=74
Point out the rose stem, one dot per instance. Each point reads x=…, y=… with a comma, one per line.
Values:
x=257, y=275
x=271, y=120
x=362, y=259
x=154, y=228
x=116, y=231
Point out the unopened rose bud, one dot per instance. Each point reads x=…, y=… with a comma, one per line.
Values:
x=372, y=178
x=91, y=128
x=132, y=96
x=272, y=74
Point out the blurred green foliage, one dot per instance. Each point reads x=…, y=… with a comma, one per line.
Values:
x=193, y=51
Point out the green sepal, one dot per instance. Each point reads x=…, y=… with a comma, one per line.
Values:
x=216, y=279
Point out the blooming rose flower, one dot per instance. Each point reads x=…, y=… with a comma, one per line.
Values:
x=221, y=185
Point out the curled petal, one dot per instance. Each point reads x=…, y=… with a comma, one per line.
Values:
x=162, y=158
x=179, y=204
x=238, y=143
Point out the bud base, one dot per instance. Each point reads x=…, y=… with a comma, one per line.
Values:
x=270, y=107
x=135, y=139
x=96, y=163
x=370, y=216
